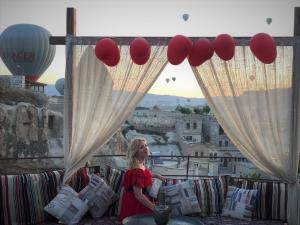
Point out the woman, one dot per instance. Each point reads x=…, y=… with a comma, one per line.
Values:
x=136, y=181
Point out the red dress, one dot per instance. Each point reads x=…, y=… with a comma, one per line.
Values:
x=130, y=205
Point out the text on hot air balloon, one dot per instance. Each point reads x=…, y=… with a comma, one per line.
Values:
x=19, y=56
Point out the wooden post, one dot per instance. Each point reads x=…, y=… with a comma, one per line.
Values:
x=295, y=125
x=68, y=95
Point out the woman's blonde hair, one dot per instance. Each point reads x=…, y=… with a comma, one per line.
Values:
x=133, y=148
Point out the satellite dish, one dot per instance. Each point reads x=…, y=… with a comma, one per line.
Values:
x=60, y=86
x=26, y=51
x=185, y=16
x=269, y=20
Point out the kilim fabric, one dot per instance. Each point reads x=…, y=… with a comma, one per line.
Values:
x=206, y=221
x=114, y=178
x=271, y=202
x=23, y=197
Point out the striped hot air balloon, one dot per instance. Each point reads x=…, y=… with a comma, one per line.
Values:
x=25, y=50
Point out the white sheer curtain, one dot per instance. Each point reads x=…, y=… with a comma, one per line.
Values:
x=102, y=98
x=252, y=102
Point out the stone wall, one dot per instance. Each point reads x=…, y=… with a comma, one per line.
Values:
x=26, y=131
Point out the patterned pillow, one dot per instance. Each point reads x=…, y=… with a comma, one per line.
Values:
x=156, y=184
x=99, y=196
x=66, y=206
x=182, y=198
x=239, y=203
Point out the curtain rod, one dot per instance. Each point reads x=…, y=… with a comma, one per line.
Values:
x=86, y=40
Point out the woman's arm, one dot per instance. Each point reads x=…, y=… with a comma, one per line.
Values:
x=138, y=194
x=158, y=176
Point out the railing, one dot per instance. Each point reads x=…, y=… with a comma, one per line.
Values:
x=188, y=157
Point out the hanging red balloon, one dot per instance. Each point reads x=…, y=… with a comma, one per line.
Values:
x=108, y=52
x=202, y=50
x=140, y=51
x=224, y=46
x=263, y=47
x=178, y=49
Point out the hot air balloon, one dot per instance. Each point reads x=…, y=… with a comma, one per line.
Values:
x=167, y=80
x=173, y=78
x=26, y=51
x=269, y=20
x=185, y=16
x=60, y=85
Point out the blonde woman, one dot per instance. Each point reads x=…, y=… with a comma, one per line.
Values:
x=137, y=180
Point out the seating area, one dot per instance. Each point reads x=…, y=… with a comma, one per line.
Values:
x=23, y=198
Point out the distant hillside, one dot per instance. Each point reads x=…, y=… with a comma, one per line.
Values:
x=150, y=100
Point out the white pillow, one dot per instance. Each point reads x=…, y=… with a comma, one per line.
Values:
x=182, y=199
x=156, y=184
x=66, y=206
x=239, y=203
x=99, y=196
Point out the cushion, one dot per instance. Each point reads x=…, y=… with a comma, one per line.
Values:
x=239, y=203
x=67, y=206
x=182, y=198
x=99, y=196
x=156, y=184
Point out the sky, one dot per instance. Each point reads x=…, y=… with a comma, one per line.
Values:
x=151, y=18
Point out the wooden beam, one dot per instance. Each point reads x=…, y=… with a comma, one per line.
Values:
x=85, y=40
x=71, y=21
x=297, y=21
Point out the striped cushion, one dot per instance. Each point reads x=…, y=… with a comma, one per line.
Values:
x=239, y=203
x=271, y=202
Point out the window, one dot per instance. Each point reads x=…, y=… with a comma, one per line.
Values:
x=220, y=143
x=201, y=154
x=226, y=143
x=221, y=131
x=50, y=121
x=211, y=155
x=188, y=126
x=215, y=155
x=194, y=126
x=196, y=154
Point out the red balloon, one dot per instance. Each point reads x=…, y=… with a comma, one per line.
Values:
x=202, y=50
x=140, y=51
x=224, y=46
x=178, y=49
x=263, y=47
x=108, y=52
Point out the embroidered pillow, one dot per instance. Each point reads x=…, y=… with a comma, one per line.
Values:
x=99, y=195
x=182, y=199
x=239, y=203
x=67, y=206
